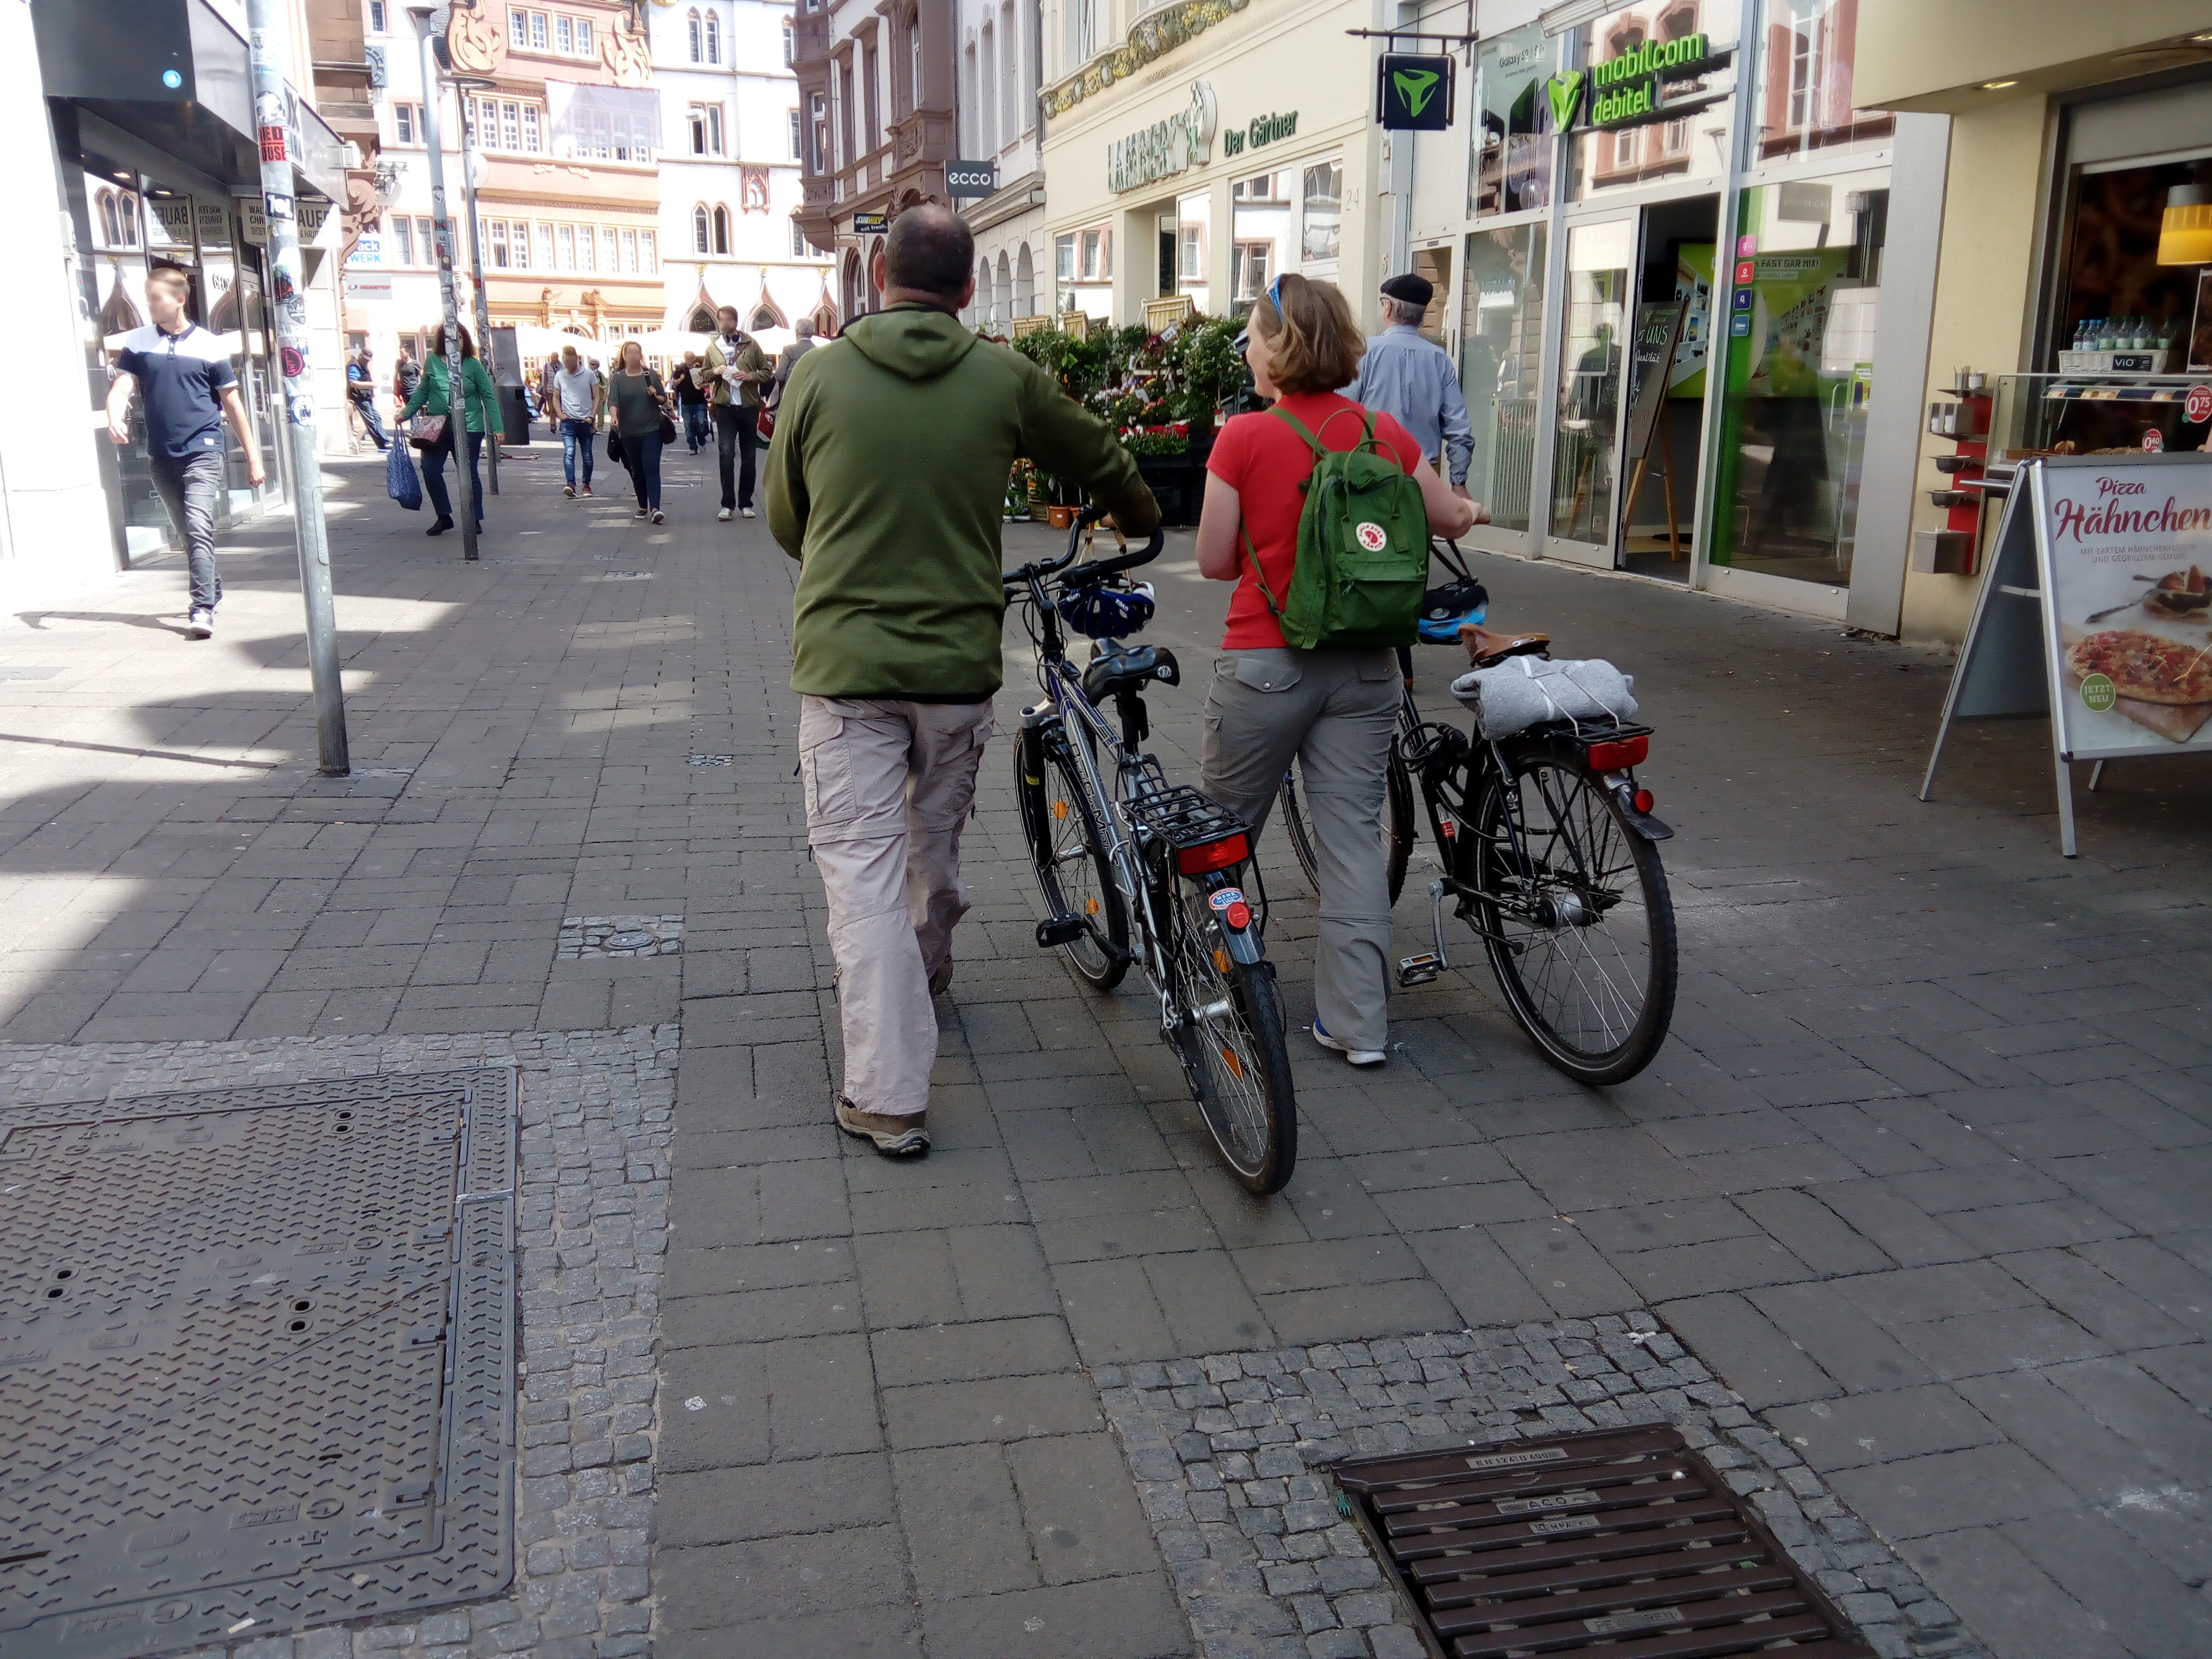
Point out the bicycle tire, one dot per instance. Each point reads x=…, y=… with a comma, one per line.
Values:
x=1398, y=828
x=1236, y=1059
x=1599, y=1013
x=1063, y=835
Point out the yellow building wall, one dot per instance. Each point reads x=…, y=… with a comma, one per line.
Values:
x=1981, y=313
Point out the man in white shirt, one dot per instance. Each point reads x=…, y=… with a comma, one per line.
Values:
x=581, y=395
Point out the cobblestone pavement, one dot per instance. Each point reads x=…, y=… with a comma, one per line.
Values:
x=1921, y=1175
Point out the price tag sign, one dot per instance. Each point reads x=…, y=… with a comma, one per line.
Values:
x=2197, y=407
x=2154, y=440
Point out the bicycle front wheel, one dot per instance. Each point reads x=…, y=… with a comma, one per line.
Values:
x=1397, y=825
x=1574, y=914
x=1228, y=1032
x=1069, y=855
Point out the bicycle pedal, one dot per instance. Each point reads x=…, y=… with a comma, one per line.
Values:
x=1056, y=931
x=1420, y=969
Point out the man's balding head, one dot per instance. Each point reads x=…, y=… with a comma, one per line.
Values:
x=929, y=251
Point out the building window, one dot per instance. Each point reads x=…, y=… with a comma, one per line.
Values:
x=629, y=252
x=697, y=43
x=496, y=243
x=706, y=129
x=1623, y=149
x=1676, y=137
x=648, y=253
x=545, y=247
x=714, y=39
x=517, y=25
x=913, y=62
x=795, y=151
x=403, y=241
x=587, y=257
x=537, y=37
x=530, y=141
x=564, y=35
x=1191, y=265
x=798, y=247
x=1063, y=258
x=380, y=21
x=1247, y=270
x=721, y=229
x=701, y=235
x=426, y=241
x=566, y=237
x=817, y=116
x=583, y=37
x=521, y=246
x=1324, y=211
x=787, y=46
x=406, y=123
x=1805, y=31
x=1097, y=255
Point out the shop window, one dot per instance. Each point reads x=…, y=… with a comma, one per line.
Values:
x=1513, y=149
x=1804, y=95
x=1250, y=264
x=1321, y=213
x=1501, y=350
x=1097, y=255
x=1603, y=160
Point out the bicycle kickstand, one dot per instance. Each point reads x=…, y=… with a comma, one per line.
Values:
x=1420, y=969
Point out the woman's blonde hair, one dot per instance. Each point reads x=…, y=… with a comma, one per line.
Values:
x=622, y=356
x=1309, y=325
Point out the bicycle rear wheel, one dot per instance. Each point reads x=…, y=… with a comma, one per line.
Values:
x=1576, y=921
x=1397, y=825
x=1070, y=857
x=1228, y=1032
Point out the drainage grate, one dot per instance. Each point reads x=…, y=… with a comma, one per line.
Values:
x=1622, y=1542
x=257, y=1360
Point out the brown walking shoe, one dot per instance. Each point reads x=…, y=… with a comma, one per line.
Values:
x=940, y=978
x=894, y=1137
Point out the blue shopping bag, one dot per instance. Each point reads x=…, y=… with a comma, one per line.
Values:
x=401, y=482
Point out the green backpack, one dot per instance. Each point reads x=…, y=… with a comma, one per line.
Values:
x=1362, y=548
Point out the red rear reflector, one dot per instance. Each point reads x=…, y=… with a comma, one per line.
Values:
x=1237, y=915
x=1618, y=755
x=1214, y=856
x=1645, y=800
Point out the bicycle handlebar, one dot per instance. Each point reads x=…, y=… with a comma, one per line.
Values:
x=1097, y=569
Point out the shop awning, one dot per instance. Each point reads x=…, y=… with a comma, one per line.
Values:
x=175, y=75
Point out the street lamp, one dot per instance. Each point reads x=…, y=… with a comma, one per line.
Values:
x=429, y=25
x=463, y=85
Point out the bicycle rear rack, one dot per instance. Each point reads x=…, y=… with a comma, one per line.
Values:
x=1182, y=818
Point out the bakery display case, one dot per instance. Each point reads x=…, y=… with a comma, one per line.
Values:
x=2096, y=415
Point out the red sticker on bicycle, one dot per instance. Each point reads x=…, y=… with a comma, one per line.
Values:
x=1372, y=537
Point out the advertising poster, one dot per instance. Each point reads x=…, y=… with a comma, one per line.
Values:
x=1693, y=281
x=2125, y=546
x=1789, y=320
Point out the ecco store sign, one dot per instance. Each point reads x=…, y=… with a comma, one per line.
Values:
x=1624, y=91
x=1184, y=140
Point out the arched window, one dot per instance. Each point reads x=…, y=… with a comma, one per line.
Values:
x=127, y=208
x=764, y=318
x=693, y=25
x=714, y=39
x=701, y=319
x=699, y=231
x=111, y=226
x=721, y=229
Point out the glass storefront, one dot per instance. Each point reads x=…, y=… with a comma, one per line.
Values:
x=1694, y=144
x=1502, y=348
x=1593, y=316
x=1802, y=101
x=1512, y=169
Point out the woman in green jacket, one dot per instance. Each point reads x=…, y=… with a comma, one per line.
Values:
x=479, y=400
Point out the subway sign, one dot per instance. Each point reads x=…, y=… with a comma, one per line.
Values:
x=1626, y=91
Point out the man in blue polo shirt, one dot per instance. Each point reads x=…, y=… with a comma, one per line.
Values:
x=184, y=377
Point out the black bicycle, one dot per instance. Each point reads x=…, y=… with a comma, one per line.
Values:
x=1136, y=870
x=1548, y=850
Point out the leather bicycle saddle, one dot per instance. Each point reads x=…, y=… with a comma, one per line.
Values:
x=1485, y=649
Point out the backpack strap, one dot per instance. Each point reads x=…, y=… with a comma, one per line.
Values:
x=1258, y=575
x=1299, y=427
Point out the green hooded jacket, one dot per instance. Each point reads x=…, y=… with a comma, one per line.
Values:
x=887, y=482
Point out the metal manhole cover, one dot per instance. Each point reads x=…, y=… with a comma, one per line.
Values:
x=1622, y=1542
x=709, y=760
x=257, y=1360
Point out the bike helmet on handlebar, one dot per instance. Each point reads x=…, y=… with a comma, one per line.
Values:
x=1098, y=611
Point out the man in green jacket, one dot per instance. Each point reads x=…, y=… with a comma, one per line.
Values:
x=886, y=483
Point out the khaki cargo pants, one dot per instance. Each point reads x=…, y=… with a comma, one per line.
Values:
x=888, y=786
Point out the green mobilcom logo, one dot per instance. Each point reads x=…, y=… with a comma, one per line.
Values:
x=1567, y=94
x=1415, y=89
x=1652, y=57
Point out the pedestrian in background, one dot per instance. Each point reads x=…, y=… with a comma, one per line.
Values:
x=360, y=393
x=737, y=369
x=885, y=483
x=789, y=359
x=1415, y=381
x=690, y=383
x=187, y=385
x=406, y=375
x=1331, y=709
x=479, y=403
x=575, y=395
x=641, y=402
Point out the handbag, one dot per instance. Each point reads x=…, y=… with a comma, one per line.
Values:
x=614, y=445
x=401, y=482
x=427, y=431
x=666, y=430
x=766, y=425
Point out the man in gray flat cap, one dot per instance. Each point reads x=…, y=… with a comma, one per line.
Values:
x=1414, y=379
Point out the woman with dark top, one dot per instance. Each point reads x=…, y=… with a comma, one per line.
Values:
x=479, y=399
x=640, y=403
x=1331, y=708
x=689, y=382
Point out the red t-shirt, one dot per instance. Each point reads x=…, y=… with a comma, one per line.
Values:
x=1265, y=462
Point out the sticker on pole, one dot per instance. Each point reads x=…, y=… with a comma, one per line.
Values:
x=2197, y=407
x=1372, y=537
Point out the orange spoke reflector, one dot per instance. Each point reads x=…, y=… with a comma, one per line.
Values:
x=1060, y=809
x=1236, y=1065
x=1221, y=958
x=1090, y=907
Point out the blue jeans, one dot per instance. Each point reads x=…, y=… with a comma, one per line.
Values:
x=575, y=440
x=697, y=431
x=641, y=455
x=433, y=474
x=189, y=487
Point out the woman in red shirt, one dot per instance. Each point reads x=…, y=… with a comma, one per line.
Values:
x=1331, y=709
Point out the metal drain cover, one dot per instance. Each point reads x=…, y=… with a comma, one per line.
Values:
x=257, y=1360
x=1622, y=1542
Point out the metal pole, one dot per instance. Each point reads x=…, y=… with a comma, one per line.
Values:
x=272, y=102
x=457, y=424
x=476, y=273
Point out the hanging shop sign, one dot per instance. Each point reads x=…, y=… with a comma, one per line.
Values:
x=1182, y=140
x=1262, y=130
x=1629, y=91
x=1414, y=93
x=2095, y=611
x=971, y=178
x=872, y=224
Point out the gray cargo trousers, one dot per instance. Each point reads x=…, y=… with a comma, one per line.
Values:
x=888, y=786
x=1334, y=711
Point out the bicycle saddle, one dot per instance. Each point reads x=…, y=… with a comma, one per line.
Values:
x=1486, y=649
x=1130, y=668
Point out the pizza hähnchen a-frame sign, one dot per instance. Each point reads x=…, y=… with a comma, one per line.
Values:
x=2098, y=607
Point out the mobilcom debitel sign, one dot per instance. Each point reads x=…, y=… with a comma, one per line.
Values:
x=1626, y=91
